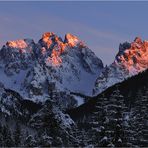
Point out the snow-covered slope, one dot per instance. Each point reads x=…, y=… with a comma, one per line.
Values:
x=43, y=120
x=71, y=65
x=131, y=59
x=52, y=65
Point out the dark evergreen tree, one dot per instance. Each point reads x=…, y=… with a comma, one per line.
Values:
x=1, y=136
x=17, y=135
x=7, y=137
x=30, y=141
x=118, y=110
x=138, y=119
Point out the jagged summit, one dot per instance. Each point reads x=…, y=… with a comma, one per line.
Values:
x=47, y=34
x=21, y=43
x=52, y=47
x=17, y=55
x=50, y=38
x=36, y=69
x=133, y=56
x=71, y=39
x=138, y=40
x=131, y=59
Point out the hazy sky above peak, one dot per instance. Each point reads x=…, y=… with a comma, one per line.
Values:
x=101, y=25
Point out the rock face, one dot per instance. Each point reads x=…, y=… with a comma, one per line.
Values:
x=131, y=59
x=17, y=55
x=35, y=84
x=38, y=70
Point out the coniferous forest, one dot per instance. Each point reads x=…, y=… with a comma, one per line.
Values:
x=115, y=118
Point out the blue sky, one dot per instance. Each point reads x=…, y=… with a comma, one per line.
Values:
x=101, y=25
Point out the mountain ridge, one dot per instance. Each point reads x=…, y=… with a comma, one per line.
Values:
x=41, y=82
x=52, y=65
x=131, y=59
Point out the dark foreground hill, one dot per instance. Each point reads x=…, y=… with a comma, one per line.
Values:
x=118, y=116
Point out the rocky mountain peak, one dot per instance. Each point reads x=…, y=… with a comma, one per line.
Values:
x=21, y=49
x=47, y=35
x=73, y=41
x=138, y=40
x=52, y=47
x=20, y=44
x=36, y=69
x=133, y=54
x=49, y=40
x=131, y=59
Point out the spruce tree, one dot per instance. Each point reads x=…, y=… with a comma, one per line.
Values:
x=1, y=136
x=7, y=137
x=17, y=135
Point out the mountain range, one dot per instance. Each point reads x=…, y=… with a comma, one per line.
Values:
x=35, y=70
x=41, y=83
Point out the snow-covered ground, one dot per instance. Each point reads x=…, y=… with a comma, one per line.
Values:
x=80, y=100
